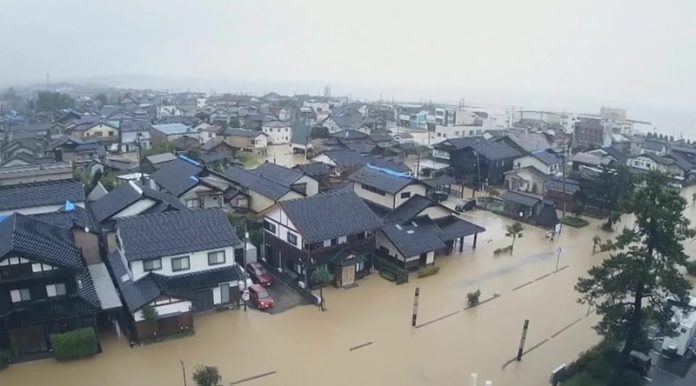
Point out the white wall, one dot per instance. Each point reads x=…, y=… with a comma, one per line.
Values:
x=198, y=262
x=135, y=208
x=530, y=160
x=435, y=212
x=165, y=309
x=312, y=184
x=381, y=240
x=283, y=226
x=413, y=189
x=278, y=135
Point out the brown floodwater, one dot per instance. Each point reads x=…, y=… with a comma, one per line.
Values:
x=304, y=346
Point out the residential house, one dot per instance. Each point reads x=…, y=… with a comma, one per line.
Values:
x=420, y=229
x=84, y=228
x=177, y=263
x=168, y=132
x=161, y=159
x=345, y=162
x=278, y=132
x=255, y=142
x=526, y=143
x=40, y=197
x=135, y=133
x=301, y=138
x=207, y=132
x=335, y=230
x=26, y=174
x=676, y=168
x=543, y=160
x=475, y=160
x=530, y=209
x=292, y=178
x=384, y=187
x=527, y=179
x=45, y=286
x=28, y=147
x=563, y=193
x=193, y=184
x=319, y=171
x=77, y=151
x=103, y=132
x=589, y=133
x=129, y=199
x=258, y=193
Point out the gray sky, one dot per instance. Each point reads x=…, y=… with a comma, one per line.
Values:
x=641, y=52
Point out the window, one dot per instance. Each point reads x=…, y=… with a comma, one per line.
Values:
x=292, y=239
x=192, y=204
x=405, y=194
x=215, y=258
x=334, y=242
x=180, y=263
x=152, y=265
x=111, y=133
x=269, y=226
x=373, y=190
x=57, y=289
x=20, y=295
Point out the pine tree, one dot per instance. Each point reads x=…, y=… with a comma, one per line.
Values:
x=631, y=287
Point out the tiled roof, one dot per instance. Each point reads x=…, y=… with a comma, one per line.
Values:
x=177, y=176
x=41, y=194
x=315, y=169
x=409, y=209
x=556, y=184
x=453, y=227
x=458, y=143
x=243, y=133
x=174, y=233
x=173, y=128
x=261, y=185
x=495, y=150
x=277, y=173
x=326, y=216
x=416, y=237
x=160, y=158
x=521, y=198
x=530, y=142
x=546, y=157
x=376, y=178
x=349, y=134
x=40, y=241
x=125, y=195
x=79, y=217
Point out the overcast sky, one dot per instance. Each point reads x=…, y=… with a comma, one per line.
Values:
x=636, y=51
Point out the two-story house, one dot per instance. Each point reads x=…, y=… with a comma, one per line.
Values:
x=384, y=187
x=192, y=183
x=334, y=229
x=45, y=285
x=543, y=160
x=477, y=161
x=129, y=199
x=252, y=141
x=177, y=263
x=260, y=192
x=278, y=132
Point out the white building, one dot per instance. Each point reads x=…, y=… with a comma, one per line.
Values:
x=278, y=132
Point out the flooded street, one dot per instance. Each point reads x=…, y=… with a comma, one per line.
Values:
x=366, y=338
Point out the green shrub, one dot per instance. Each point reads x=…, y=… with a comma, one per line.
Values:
x=600, y=368
x=74, y=344
x=503, y=250
x=400, y=274
x=428, y=271
x=691, y=267
x=582, y=379
x=387, y=275
x=575, y=222
x=5, y=357
x=473, y=298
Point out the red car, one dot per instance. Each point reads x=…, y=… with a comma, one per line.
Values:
x=260, y=297
x=259, y=275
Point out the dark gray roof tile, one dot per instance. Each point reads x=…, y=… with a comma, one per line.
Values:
x=37, y=194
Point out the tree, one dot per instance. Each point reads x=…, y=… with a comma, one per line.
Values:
x=493, y=192
x=631, y=287
x=515, y=232
x=206, y=376
x=52, y=101
x=596, y=242
x=322, y=276
x=614, y=187
x=102, y=100
x=150, y=316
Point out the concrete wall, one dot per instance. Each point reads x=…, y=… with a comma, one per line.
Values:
x=198, y=262
x=283, y=226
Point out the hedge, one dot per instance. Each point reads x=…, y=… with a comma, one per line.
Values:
x=76, y=344
x=575, y=222
x=428, y=271
x=5, y=357
x=400, y=274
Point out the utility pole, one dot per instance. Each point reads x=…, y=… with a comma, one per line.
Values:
x=418, y=164
x=520, y=350
x=558, y=256
x=183, y=370
x=415, y=307
x=563, y=168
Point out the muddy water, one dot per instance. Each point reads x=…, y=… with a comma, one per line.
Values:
x=304, y=346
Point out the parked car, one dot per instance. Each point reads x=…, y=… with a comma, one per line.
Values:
x=259, y=296
x=465, y=206
x=440, y=196
x=259, y=275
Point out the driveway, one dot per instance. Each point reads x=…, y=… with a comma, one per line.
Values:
x=284, y=296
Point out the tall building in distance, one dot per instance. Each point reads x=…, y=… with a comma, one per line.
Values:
x=327, y=90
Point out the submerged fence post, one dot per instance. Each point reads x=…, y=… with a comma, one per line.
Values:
x=520, y=350
x=415, y=307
